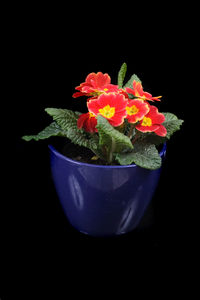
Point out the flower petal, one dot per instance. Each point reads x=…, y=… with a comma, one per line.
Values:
x=102, y=79
x=94, y=106
x=141, y=109
x=90, y=79
x=137, y=88
x=161, y=131
x=77, y=94
x=147, y=128
x=156, y=98
x=112, y=106
x=90, y=124
x=148, y=96
x=87, y=122
x=118, y=119
x=130, y=91
x=81, y=120
x=157, y=118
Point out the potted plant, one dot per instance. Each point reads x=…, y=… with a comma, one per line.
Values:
x=105, y=190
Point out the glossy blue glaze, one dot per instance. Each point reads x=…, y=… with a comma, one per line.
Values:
x=102, y=200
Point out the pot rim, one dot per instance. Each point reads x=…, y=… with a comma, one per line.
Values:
x=78, y=163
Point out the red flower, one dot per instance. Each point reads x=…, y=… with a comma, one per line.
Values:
x=95, y=85
x=152, y=122
x=138, y=92
x=136, y=109
x=88, y=122
x=111, y=106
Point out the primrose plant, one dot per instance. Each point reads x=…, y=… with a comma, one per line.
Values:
x=121, y=125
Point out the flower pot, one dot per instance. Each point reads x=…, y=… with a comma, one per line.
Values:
x=102, y=200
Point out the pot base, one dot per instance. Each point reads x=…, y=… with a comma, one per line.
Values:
x=103, y=200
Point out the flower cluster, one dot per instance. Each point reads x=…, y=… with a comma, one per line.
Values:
x=115, y=104
x=121, y=125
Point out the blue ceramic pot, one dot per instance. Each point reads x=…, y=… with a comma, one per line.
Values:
x=102, y=200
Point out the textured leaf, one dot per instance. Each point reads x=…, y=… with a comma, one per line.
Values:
x=67, y=120
x=143, y=155
x=112, y=138
x=52, y=130
x=172, y=123
x=121, y=75
x=130, y=82
x=152, y=138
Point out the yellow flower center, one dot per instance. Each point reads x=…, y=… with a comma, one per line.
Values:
x=132, y=110
x=146, y=122
x=96, y=93
x=107, y=111
x=142, y=97
x=105, y=89
x=91, y=115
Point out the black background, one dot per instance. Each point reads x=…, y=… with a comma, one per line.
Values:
x=49, y=53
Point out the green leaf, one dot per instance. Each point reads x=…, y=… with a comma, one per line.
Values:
x=152, y=138
x=172, y=124
x=52, y=130
x=112, y=139
x=144, y=155
x=130, y=82
x=67, y=120
x=121, y=75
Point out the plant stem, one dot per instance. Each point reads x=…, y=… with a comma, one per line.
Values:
x=112, y=149
x=120, y=128
x=131, y=130
x=136, y=137
x=104, y=151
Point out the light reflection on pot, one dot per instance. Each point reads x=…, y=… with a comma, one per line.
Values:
x=76, y=192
